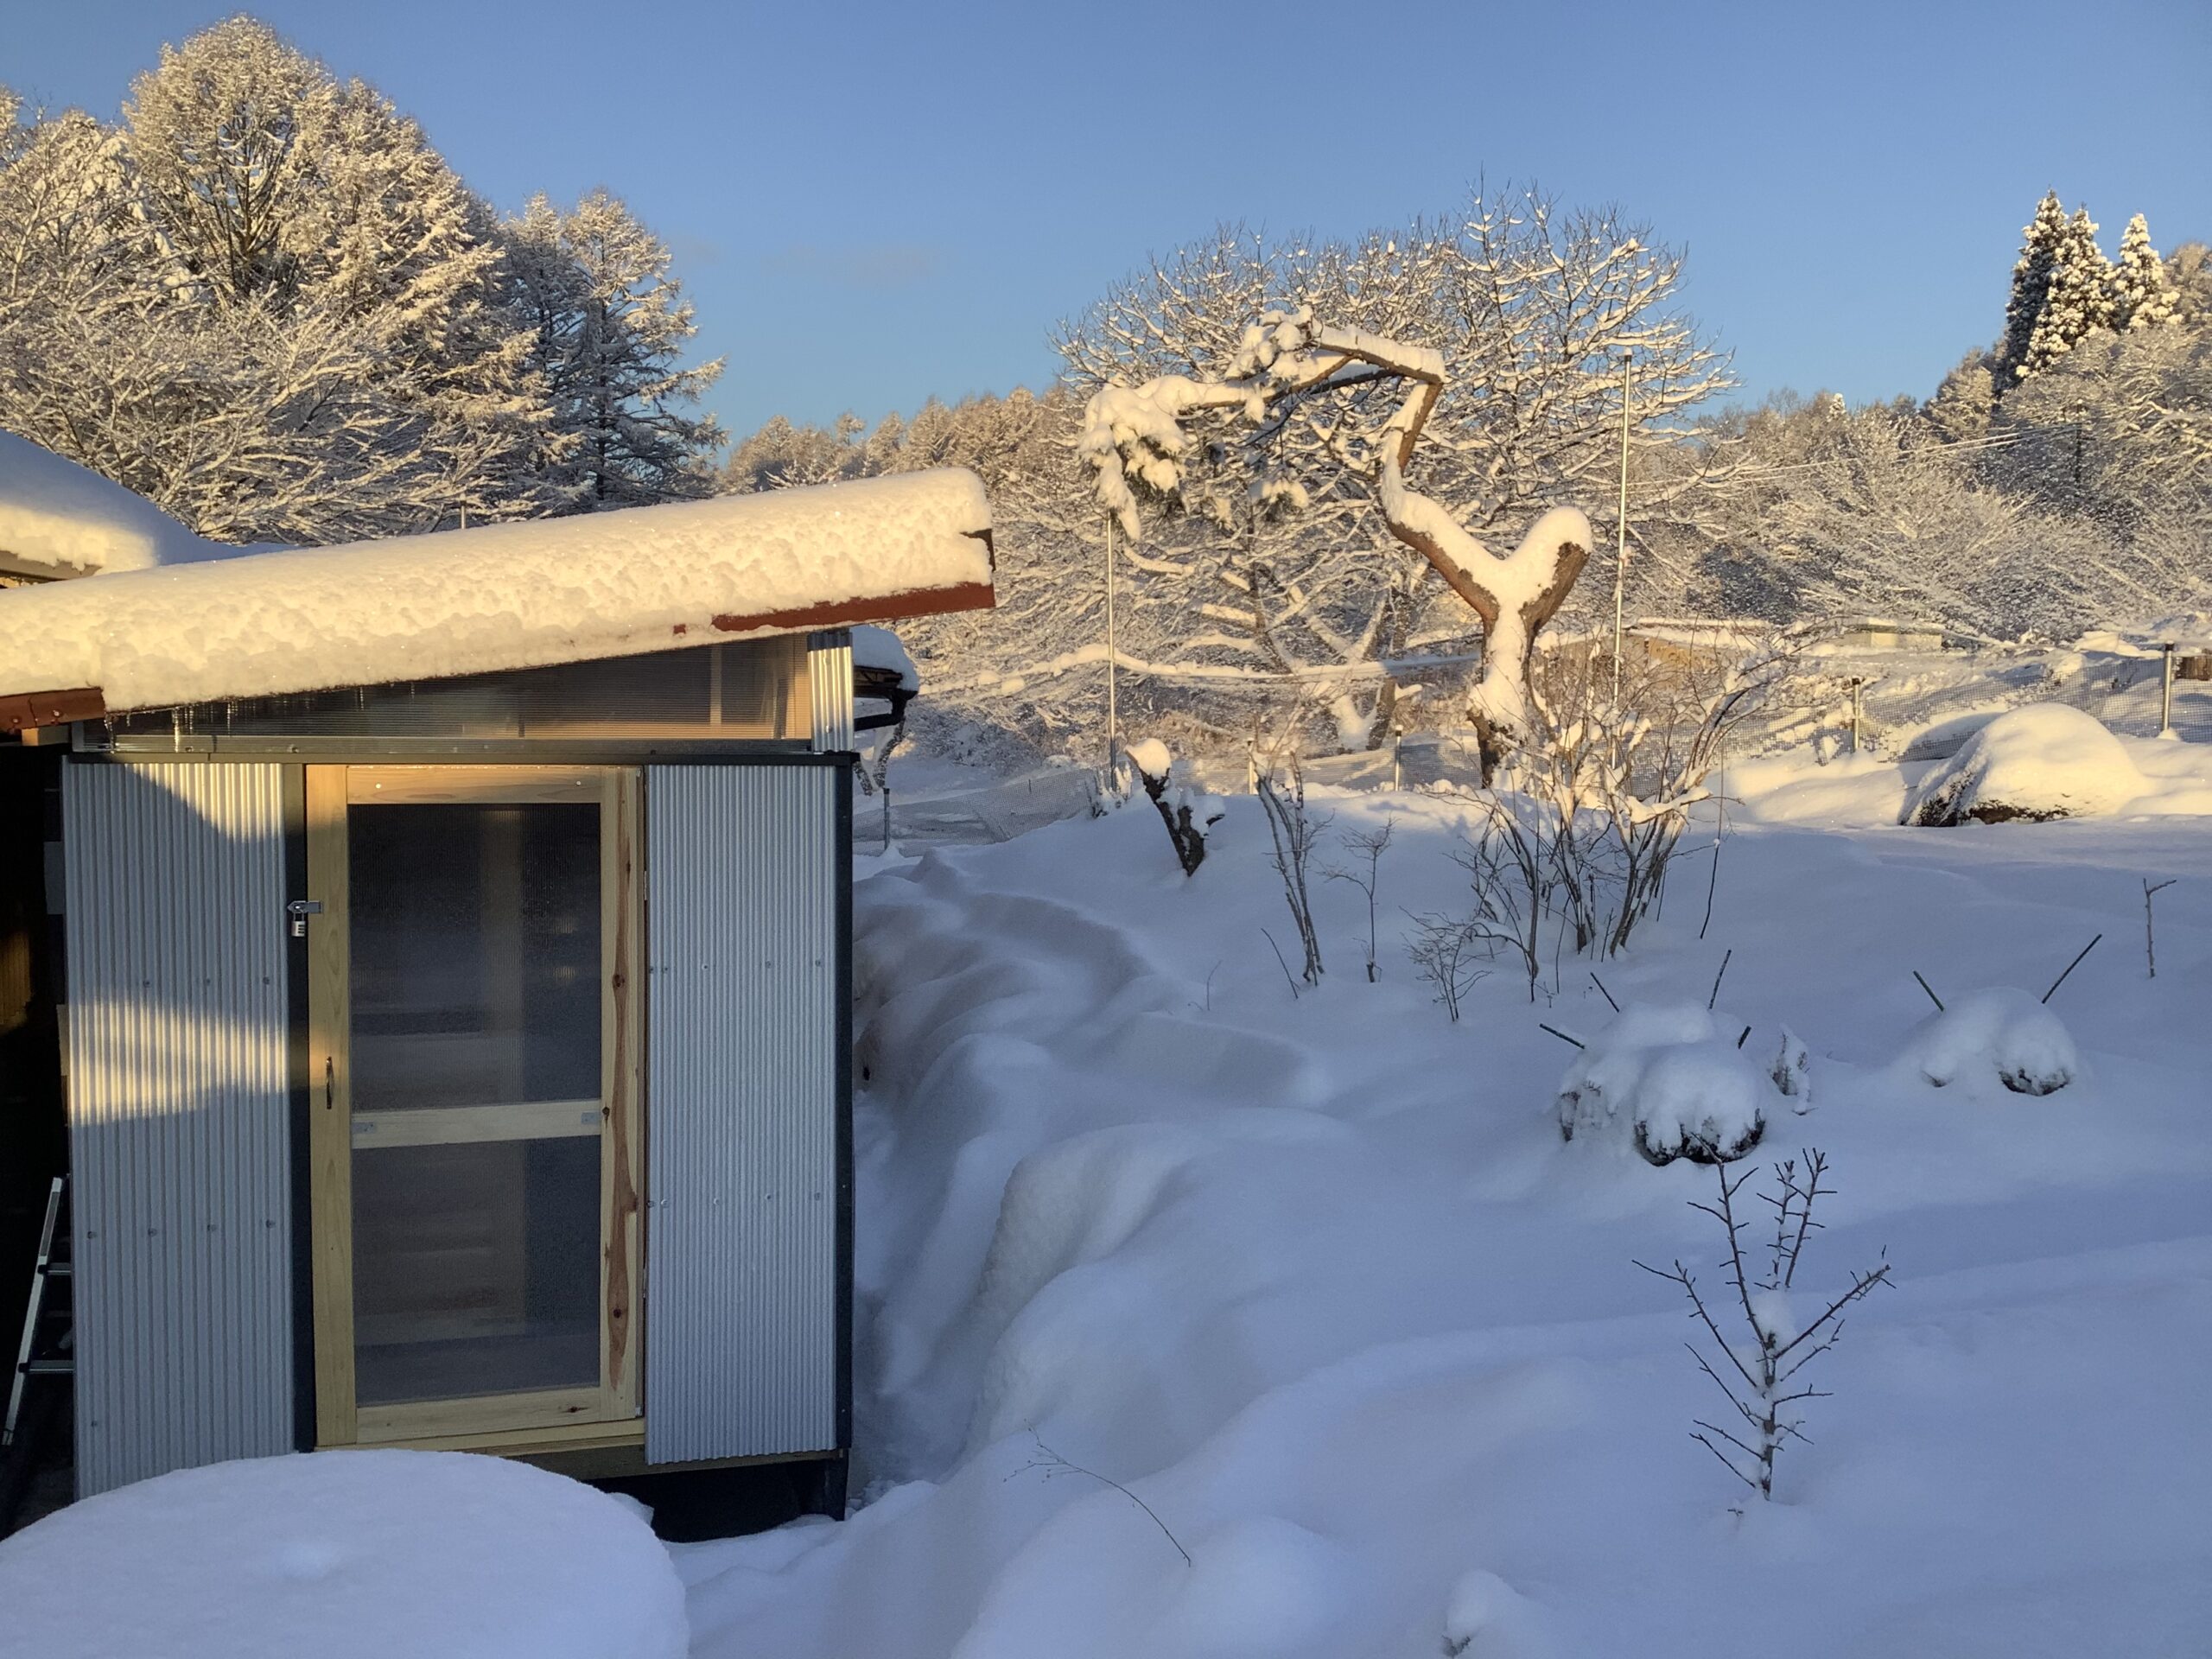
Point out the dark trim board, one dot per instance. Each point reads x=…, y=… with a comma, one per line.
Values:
x=844, y=1111
x=297, y=1045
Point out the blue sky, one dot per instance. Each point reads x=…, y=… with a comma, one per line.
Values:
x=870, y=203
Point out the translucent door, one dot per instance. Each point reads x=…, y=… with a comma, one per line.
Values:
x=485, y=925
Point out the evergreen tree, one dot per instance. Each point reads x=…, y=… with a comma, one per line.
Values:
x=2078, y=300
x=2143, y=295
x=607, y=325
x=2043, y=238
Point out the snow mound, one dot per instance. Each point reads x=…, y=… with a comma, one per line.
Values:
x=58, y=518
x=2046, y=761
x=1674, y=1081
x=1150, y=756
x=2002, y=1032
x=346, y=1555
x=523, y=594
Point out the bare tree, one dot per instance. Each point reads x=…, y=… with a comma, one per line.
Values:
x=1761, y=1379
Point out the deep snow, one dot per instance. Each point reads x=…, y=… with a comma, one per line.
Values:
x=1319, y=1281
x=368, y=1554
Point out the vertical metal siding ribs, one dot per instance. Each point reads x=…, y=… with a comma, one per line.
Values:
x=830, y=672
x=741, y=1305
x=179, y=1123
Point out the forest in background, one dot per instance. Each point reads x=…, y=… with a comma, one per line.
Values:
x=264, y=301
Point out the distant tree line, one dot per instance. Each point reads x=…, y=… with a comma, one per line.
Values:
x=2059, y=478
x=264, y=301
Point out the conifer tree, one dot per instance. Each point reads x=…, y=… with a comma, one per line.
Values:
x=2143, y=295
x=2043, y=235
x=607, y=325
x=2078, y=300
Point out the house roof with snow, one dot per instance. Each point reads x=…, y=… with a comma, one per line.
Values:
x=531, y=594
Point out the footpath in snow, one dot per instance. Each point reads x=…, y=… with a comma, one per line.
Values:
x=1199, y=1320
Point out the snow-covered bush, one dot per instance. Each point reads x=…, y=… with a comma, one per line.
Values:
x=2002, y=1032
x=1674, y=1081
x=2047, y=760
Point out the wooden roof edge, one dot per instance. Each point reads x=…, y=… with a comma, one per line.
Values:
x=27, y=708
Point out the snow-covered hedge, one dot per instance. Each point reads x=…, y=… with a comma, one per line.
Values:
x=2047, y=760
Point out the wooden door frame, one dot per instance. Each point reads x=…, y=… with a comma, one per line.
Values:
x=613, y=1403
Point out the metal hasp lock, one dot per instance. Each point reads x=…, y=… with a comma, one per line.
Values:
x=299, y=910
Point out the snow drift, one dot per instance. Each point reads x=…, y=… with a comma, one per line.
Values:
x=346, y=1555
x=2047, y=760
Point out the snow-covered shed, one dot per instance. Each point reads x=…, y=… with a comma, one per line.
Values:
x=456, y=931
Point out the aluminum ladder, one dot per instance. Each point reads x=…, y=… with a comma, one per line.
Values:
x=48, y=1341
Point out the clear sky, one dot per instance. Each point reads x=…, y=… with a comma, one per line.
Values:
x=872, y=203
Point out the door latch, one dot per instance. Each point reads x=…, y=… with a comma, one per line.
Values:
x=299, y=910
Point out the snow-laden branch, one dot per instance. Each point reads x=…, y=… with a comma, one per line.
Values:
x=1287, y=356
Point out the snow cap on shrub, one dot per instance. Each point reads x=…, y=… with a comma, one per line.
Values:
x=1674, y=1081
x=2002, y=1032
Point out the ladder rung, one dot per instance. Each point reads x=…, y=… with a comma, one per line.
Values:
x=57, y=1270
x=47, y=1367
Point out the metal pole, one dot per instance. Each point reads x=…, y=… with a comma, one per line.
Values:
x=1113, y=651
x=2166, y=692
x=1620, y=550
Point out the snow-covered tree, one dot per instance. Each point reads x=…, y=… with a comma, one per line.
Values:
x=1287, y=358
x=2077, y=301
x=343, y=285
x=264, y=301
x=1275, y=553
x=609, y=326
x=2043, y=237
x=2142, y=294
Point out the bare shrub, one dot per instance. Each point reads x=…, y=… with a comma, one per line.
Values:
x=1761, y=1378
x=1370, y=844
x=1281, y=785
x=1443, y=950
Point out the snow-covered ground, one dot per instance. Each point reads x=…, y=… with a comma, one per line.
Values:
x=1319, y=1284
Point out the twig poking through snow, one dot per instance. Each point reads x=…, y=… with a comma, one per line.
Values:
x=2071, y=967
x=2150, y=936
x=1930, y=990
x=1603, y=992
x=1277, y=949
x=1717, y=978
x=1053, y=1464
x=1561, y=1035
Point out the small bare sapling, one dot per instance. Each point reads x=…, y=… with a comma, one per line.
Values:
x=1052, y=1465
x=1443, y=950
x=1762, y=1377
x=1370, y=845
x=2151, y=890
x=1280, y=785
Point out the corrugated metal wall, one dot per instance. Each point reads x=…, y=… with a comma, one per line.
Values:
x=742, y=1306
x=830, y=670
x=179, y=1116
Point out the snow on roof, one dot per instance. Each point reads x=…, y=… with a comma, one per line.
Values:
x=524, y=594
x=880, y=648
x=60, y=519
